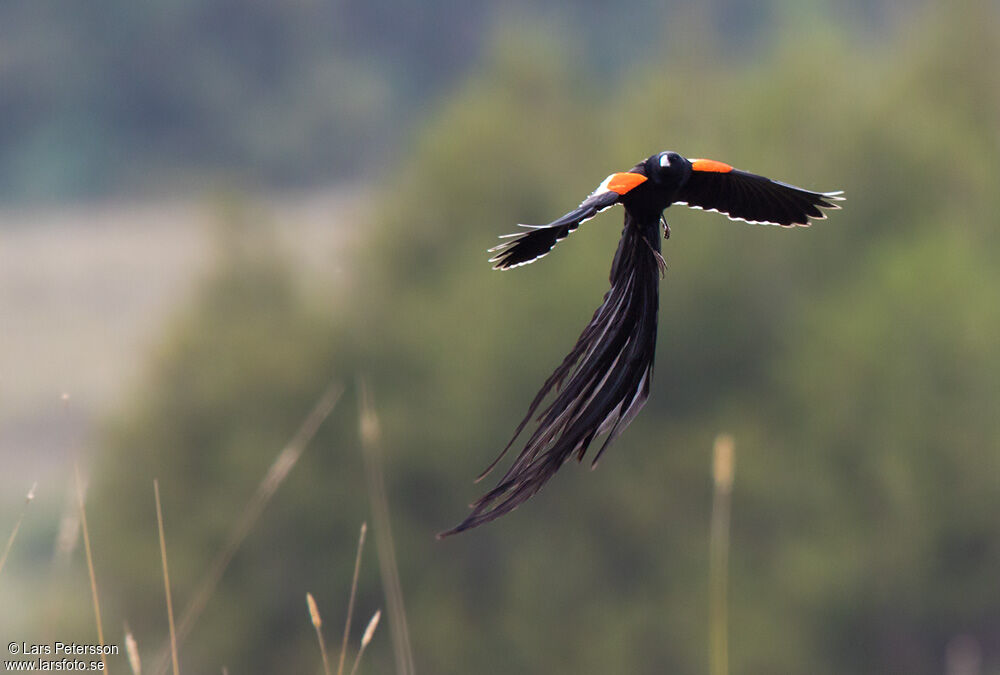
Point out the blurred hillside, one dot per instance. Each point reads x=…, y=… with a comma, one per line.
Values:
x=856, y=363
x=112, y=97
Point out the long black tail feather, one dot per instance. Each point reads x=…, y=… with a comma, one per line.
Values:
x=606, y=375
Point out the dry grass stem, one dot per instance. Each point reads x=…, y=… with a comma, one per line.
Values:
x=68, y=535
x=366, y=638
x=370, y=442
x=66, y=541
x=350, y=602
x=276, y=474
x=90, y=563
x=723, y=469
x=17, y=526
x=317, y=622
x=314, y=616
x=723, y=462
x=370, y=628
x=166, y=577
x=132, y=650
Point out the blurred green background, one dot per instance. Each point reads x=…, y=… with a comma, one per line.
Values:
x=211, y=209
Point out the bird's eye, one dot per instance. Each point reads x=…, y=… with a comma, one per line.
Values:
x=665, y=159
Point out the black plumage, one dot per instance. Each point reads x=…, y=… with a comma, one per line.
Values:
x=604, y=381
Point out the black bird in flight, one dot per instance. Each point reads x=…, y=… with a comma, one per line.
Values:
x=604, y=381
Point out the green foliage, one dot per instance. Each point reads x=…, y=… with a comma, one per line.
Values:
x=855, y=362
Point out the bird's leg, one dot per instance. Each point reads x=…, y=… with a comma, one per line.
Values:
x=661, y=264
x=666, y=228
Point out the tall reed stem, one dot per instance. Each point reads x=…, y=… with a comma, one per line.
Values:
x=371, y=446
x=718, y=559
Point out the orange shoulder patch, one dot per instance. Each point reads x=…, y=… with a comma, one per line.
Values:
x=623, y=182
x=710, y=165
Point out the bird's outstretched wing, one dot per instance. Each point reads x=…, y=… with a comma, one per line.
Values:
x=522, y=248
x=714, y=186
x=602, y=384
